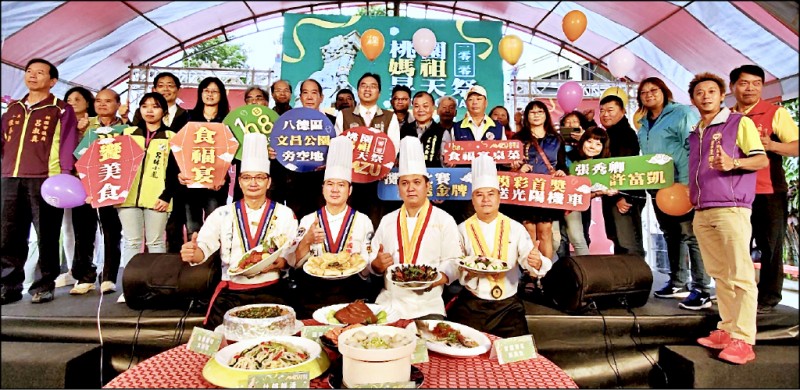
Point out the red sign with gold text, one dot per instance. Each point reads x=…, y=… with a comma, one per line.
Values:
x=463, y=152
x=532, y=189
x=108, y=167
x=204, y=151
x=373, y=154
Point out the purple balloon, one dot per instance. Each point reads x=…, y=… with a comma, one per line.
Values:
x=569, y=95
x=63, y=191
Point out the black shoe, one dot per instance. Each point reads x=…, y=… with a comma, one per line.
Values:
x=764, y=309
x=670, y=291
x=42, y=297
x=10, y=296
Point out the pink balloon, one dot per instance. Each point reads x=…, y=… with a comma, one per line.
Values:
x=63, y=191
x=569, y=95
x=621, y=62
x=424, y=42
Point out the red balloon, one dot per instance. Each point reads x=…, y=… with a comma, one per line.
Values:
x=674, y=200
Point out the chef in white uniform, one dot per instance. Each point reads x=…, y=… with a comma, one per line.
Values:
x=489, y=302
x=236, y=228
x=418, y=233
x=334, y=228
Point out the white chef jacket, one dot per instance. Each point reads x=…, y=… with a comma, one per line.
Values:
x=520, y=245
x=439, y=247
x=219, y=232
x=360, y=232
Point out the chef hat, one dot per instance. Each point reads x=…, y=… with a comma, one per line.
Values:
x=255, y=157
x=412, y=158
x=340, y=159
x=484, y=173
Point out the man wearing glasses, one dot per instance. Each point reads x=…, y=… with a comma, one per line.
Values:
x=256, y=95
x=168, y=85
x=236, y=228
x=401, y=99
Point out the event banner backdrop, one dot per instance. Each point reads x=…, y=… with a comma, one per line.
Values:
x=327, y=48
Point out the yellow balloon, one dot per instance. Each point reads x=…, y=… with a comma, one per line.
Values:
x=637, y=116
x=510, y=49
x=618, y=92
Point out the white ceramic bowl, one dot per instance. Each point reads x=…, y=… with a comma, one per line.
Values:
x=311, y=347
x=361, y=365
x=238, y=328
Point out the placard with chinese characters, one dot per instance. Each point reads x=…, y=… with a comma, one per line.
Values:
x=463, y=152
x=373, y=154
x=446, y=184
x=531, y=189
x=204, y=341
x=281, y=380
x=651, y=171
x=204, y=151
x=108, y=168
x=252, y=118
x=513, y=349
x=300, y=138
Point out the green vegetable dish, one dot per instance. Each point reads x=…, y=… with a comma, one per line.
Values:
x=268, y=355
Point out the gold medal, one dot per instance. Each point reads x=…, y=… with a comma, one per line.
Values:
x=497, y=292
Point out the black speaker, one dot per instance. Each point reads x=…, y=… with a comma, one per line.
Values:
x=575, y=283
x=164, y=281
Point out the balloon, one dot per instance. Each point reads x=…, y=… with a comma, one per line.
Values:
x=620, y=62
x=637, y=116
x=424, y=42
x=674, y=200
x=617, y=91
x=63, y=191
x=510, y=49
x=372, y=44
x=569, y=95
x=574, y=24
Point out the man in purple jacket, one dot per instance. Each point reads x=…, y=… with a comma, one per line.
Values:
x=725, y=151
x=39, y=135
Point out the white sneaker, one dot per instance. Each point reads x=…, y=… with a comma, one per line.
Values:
x=121, y=298
x=82, y=288
x=108, y=287
x=65, y=279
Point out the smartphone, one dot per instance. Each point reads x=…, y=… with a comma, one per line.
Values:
x=567, y=131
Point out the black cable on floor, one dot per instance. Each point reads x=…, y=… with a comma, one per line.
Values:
x=135, y=337
x=607, y=341
x=636, y=329
x=180, y=327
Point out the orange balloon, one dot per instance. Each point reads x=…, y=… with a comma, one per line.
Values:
x=372, y=43
x=674, y=200
x=574, y=24
x=510, y=49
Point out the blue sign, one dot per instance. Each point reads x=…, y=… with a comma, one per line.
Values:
x=300, y=138
x=446, y=183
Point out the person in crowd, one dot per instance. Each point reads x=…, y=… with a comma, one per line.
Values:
x=779, y=136
x=256, y=95
x=425, y=128
x=334, y=228
x=282, y=94
x=518, y=119
x=401, y=99
x=74, y=231
x=423, y=228
x=664, y=129
x=544, y=154
x=367, y=113
x=176, y=117
x=577, y=222
x=500, y=115
x=212, y=106
x=725, y=151
x=42, y=129
x=222, y=232
x=490, y=303
x=622, y=214
x=476, y=125
x=147, y=206
x=106, y=105
x=345, y=99
x=447, y=113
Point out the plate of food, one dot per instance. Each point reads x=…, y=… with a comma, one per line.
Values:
x=261, y=256
x=233, y=365
x=413, y=277
x=357, y=312
x=335, y=265
x=483, y=265
x=451, y=338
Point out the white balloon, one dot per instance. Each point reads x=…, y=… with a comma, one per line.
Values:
x=424, y=42
x=620, y=62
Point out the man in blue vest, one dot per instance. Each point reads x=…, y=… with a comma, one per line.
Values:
x=476, y=125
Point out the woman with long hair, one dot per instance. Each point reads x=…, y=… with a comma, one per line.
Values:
x=544, y=154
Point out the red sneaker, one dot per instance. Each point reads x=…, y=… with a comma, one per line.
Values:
x=718, y=339
x=738, y=352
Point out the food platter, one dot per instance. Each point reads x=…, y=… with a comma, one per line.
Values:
x=334, y=266
x=217, y=372
x=412, y=285
x=484, y=344
x=483, y=265
x=266, y=260
x=321, y=314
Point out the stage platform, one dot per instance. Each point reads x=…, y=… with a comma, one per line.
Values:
x=608, y=348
